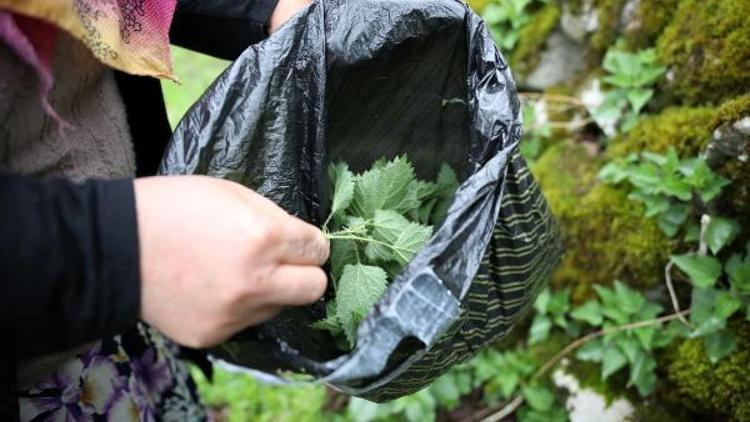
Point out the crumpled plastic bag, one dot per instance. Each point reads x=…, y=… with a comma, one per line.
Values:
x=355, y=81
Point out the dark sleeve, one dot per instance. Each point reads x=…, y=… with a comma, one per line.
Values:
x=221, y=28
x=69, y=267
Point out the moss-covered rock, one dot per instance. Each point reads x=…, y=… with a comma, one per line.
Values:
x=533, y=36
x=605, y=234
x=734, y=169
x=687, y=129
x=609, y=14
x=707, y=49
x=648, y=22
x=722, y=389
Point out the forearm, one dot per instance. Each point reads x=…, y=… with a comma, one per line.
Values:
x=68, y=262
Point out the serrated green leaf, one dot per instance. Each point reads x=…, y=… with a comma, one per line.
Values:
x=672, y=219
x=738, y=270
x=383, y=188
x=538, y=397
x=610, y=306
x=542, y=301
x=590, y=312
x=711, y=325
x=540, y=328
x=703, y=271
x=342, y=181
x=343, y=252
x=628, y=345
x=638, y=98
x=702, y=305
x=629, y=300
x=645, y=336
x=642, y=373
x=404, y=237
x=508, y=381
x=592, y=351
x=359, y=288
x=612, y=360
x=718, y=345
x=726, y=304
x=719, y=232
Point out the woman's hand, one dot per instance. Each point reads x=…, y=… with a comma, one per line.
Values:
x=284, y=10
x=217, y=257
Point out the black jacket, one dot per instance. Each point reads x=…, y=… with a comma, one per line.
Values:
x=69, y=264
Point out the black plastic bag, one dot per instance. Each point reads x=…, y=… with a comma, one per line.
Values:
x=354, y=81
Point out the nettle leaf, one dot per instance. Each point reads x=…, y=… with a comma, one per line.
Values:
x=404, y=237
x=610, y=306
x=720, y=231
x=540, y=328
x=630, y=301
x=703, y=271
x=726, y=304
x=642, y=373
x=613, y=172
x=672, y=219
x=592, y=351
x=612, y=360
x=343, y=187
x=628, y=345
x=384, y=188
x=343, y=252
x=538, y=397
x=590, y=312
x=738, y=270
x=638, y=98
x=542, y=301
x=718, y=345
x=359, y=288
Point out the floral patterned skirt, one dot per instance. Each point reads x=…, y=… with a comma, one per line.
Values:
x=136, y=376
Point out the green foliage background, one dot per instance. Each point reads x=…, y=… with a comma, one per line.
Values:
x=630, y=187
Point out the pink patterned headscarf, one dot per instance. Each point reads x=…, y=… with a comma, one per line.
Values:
x=128, y=35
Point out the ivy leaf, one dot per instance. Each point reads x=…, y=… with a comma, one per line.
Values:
x=611, y=309
x=383, y=188
x=702, y=305
x=719, y=345
x=739, y=272
x=538, y=397
x=343, y=187
x=629, y=300
x=726, y=304
x=540, y=328
x=628, y=345
x=592, y=351
x=590, y=312
x=359, y=288
x=703, y=271
x=612, y=360
x=542, y=301
x=642, y=373
x=671, y=220
x=639, y=97
x=719, y=232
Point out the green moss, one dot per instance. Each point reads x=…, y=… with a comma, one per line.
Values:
x=738, y=192
x=532, y=39
x=478, y=5
x=648, y=22
x=605, y=234
x=732, y=110
x=566, y=172
x=720, y=390
x=687, y=129
x=608, y=13
x=707, y=48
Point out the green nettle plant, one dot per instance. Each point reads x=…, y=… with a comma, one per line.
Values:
x=505, y=19
x=379, y=220
x=630, y=77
